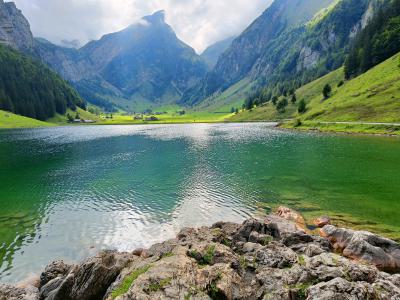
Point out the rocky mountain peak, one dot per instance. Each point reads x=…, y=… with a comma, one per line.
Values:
x=156, y=18
x=14, y=27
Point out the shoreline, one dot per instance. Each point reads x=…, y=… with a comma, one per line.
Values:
x=275, y=256
x=314, y=127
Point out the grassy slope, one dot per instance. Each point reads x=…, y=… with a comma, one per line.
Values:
x=371, y=97
x=232, y=97
x=9, y=120
x=168, y=118
x=62, y=119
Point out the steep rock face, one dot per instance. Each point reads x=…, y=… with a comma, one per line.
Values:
x=145, y=62
x=213, y=52
x=14, y=28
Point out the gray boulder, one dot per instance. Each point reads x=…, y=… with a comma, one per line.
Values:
x=8, y=292
x=88, y=281
x=365, y=247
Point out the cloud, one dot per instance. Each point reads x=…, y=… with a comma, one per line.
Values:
x=197, y=22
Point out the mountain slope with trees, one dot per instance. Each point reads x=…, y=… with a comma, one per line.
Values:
x=31, y=89
x=377, y=42
x=248, y=52
x=28, y=87
x=371, y=97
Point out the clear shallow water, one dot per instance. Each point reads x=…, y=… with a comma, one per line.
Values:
x=67, y=192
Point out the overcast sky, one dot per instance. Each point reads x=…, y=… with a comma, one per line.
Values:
x=197, y=22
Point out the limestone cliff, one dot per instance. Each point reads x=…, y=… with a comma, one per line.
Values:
x=14, y=28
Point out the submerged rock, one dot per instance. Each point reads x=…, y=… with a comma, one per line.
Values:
x=266, y=258
x=322, y=221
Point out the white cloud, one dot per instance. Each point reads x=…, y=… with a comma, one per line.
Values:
x=197, y=22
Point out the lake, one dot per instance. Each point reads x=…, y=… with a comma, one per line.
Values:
x=68, y=192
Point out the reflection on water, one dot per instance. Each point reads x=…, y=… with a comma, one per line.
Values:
x=67, y=192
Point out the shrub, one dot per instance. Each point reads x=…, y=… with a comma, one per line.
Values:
x=302, y=108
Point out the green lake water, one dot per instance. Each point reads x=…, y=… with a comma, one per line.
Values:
x=68, y=192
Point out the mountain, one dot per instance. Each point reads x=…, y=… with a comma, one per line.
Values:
x=292, y=41
x=371, y=97
x=28, y=87
x=14, y=28
x=214, y=51
x=139, y=67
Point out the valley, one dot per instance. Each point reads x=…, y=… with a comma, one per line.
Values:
x=199, y=150
x=125, y=77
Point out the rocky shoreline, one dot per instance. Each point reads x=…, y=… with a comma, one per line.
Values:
x=270, y=258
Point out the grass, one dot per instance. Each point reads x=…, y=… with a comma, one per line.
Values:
x=207, y=258
x=9, y=120
x=232, y=97
x=83, y=114
x=128, y=281
x=371, y=97
x=345, y=128
x=169, y=118
x=322, y=14
x=301, y=260
x=154, y=287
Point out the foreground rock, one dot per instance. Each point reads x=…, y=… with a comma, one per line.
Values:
x=259, y=259
x=365, y=247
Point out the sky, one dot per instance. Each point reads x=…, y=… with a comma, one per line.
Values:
x=199, y=23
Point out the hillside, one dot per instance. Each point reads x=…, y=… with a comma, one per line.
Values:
x=276, y=43
x=371, y=97
x=29, y=88
x=9, y=120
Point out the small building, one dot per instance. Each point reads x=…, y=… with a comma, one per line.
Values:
x=152, y=118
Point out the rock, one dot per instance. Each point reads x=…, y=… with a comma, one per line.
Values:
x=54, y=270
x=301, y=242
x=250, y=247
x=340, y=288
x=88, y=281
x=291, y=215
x=14, y=28
x=138, y=252
x=275, y=256
x=252, y=227
x=365, y=247
x=8, y=292
x=322, y=221
x=225, y=261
